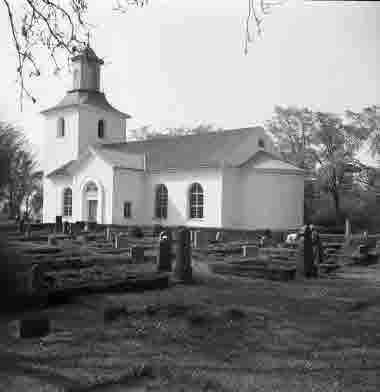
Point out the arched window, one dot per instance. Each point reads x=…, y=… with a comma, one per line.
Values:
x=91, y=189
x=61, y=127
x=67, y=202
x=161, y=203
x=196, y=201
x=101, y=129
x=261, y=143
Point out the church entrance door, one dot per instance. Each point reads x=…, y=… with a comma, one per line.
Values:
x=92, y=210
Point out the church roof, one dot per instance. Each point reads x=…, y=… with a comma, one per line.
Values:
x=209, y=149
x=231, y=148
x=85, y=98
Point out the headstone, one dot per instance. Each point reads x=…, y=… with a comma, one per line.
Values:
x=137, y=254
x=347, y=231
x=308, y=253
x=52, y=240
x=183, y=269
x=201, y=239
x=66, y=227
x=28, y=230
x=164, y=263
x=58, y=224
x=250, y=251
x=21, y=225
x=219, y=236
x=122, y=241
x=33, y=327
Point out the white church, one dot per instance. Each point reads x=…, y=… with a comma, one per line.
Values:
x=231, y=179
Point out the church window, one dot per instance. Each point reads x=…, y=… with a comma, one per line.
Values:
x=127, y=209
x=196, y=201
x=67, y=202
x=61, y=127
x=161, y=205
x=261, y=143
x=101, y=129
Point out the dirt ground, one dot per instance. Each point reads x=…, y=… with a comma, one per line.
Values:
x=217, y=334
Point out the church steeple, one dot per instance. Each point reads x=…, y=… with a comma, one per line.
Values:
x=86, y=70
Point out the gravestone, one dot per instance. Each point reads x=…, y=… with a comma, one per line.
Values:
x=66, y=227
x=347, y=231
x=108, y=234
x=183, y=270
x=308, y=253
x=33, y=327
x=250, y=251
x=122, y=241
x=21, y=225
x=58, y=224
x=137, y=254
x=28, y=230
x=52, y=240
x=164, y=263
x=201, y=239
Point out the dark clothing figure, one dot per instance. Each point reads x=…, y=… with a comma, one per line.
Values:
x=317, y=248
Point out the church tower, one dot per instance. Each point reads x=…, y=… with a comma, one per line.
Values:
x=83, y=117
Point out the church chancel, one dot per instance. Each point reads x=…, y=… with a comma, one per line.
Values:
x=232, y=179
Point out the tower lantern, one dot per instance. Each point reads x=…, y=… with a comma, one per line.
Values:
x=86, y=70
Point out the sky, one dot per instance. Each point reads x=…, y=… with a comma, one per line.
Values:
x=182, y=63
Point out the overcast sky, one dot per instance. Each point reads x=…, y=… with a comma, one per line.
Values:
x=181, y=62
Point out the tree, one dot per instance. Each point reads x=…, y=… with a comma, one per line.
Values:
x=52, y=30
x=369, y=121
x=323, y=144
x=335, y=146
x=18, y=175
x=292, y=130
x=147, y=132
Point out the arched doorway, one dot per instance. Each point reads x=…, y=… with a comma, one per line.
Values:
x=91, y=201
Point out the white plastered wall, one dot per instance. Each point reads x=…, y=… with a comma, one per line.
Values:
x=114, y=130
x=272, y=200
x=129, y=186
x=178, y=184
x=59, y=150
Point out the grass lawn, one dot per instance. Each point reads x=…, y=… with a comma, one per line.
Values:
x=220, y=334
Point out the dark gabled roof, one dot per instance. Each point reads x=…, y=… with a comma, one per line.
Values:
x=210, y=149
x=63, y=170
x=231, y=148
x=86, y=98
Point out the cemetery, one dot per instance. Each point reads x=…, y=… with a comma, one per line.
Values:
x=156, y=302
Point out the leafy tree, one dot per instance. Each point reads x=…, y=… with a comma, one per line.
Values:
x=369, y=121
x=18, y=175
x=323, y=144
